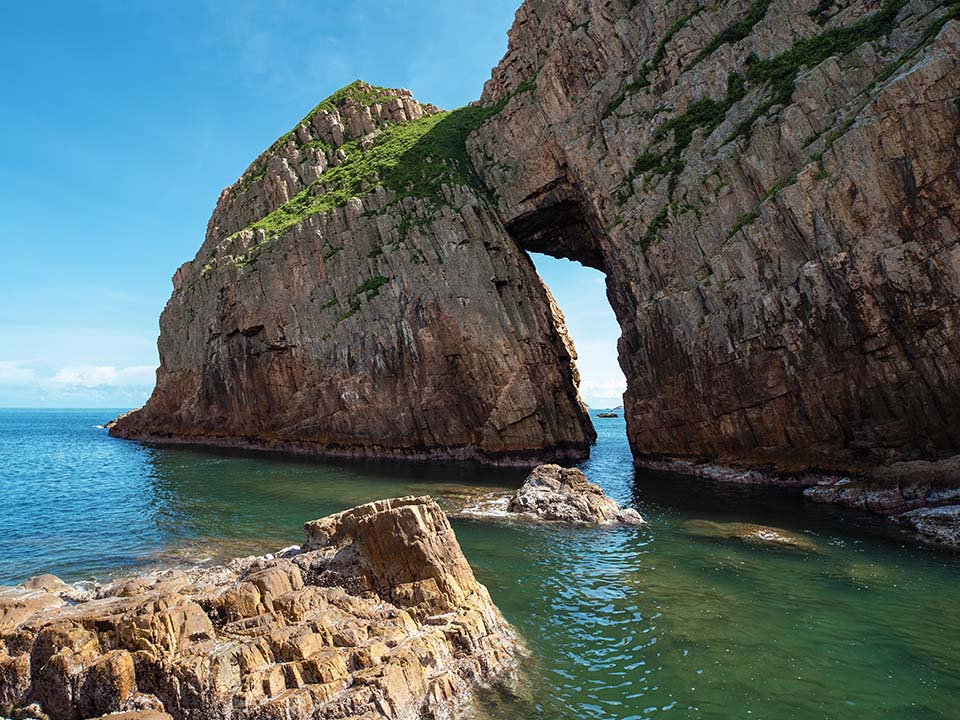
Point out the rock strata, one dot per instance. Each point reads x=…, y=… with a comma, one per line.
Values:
x=356, y=295
x=379, y=616
x=562, y=494
x=771, y=189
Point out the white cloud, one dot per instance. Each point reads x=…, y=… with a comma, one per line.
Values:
x=105, y=375
x=13, y=373
x=594, y=390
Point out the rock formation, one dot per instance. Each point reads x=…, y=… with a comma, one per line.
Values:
x=356, y=295
x=379, y=616
x=562, y=494
x=751, y=534
x=772, y=189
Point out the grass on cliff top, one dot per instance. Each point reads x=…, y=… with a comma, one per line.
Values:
x=358, y=91
x=413, y=159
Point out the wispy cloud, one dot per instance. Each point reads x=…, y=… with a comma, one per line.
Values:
x=31, y=384
x=15, y=373
x=603, y=390
x=105, y=375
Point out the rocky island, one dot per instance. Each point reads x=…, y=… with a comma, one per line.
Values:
x=562, y=494
x=770, y=188
x=378, y=615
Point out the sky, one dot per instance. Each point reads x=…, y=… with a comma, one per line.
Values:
x=121, y=123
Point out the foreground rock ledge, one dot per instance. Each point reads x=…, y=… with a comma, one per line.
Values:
x=562, y=494
x=379, y=616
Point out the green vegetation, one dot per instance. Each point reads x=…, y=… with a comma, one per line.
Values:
x=643, y=73
x=413, y=159
x=369, y=290
x=677, y=26
x=660, y=221
x=358, y=91
x=704, y=114
x=734, y=33
x=742, y=221
x=780, y=73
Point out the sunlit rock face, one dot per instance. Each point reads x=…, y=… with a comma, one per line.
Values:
x=772, y=190
x=342, y=629
x=356, y=295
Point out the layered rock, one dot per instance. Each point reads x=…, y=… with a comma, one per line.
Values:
x=772, y=190
x=357, y=295
x=379, y=616
x=562, y=494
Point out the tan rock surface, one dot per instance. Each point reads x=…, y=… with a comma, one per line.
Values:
x=380, y=616
x=562, y=494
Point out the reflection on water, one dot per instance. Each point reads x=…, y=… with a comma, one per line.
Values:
x=681, y=617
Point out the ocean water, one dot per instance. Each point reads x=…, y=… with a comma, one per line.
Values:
x=674, y=619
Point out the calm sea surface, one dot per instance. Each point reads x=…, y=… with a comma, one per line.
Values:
x=670, y=620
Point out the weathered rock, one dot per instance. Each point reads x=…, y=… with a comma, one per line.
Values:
x=607, y=415
x=356, y=295
x=552, y=492
x=939, y=525
x=775, y=203
x=770, y=187
x=751, y=534
x=379, y=617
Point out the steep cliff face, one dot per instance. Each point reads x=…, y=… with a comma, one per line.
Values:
x=773, y=189
x=357, y=295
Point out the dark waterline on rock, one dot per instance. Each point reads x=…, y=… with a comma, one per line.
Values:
x=675, y=618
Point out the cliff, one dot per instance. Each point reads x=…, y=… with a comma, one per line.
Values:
x=341, y=629
x=356, y=295
x=772, y=189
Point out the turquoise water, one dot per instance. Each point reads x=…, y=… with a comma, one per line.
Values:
x=674, y=619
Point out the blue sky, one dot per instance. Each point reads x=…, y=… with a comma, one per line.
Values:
x=121, y=123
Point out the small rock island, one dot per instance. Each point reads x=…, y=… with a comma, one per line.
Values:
x=562, y=494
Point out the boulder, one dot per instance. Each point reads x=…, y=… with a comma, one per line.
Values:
x=378, y=616
x=939, y=525
x=562, y=494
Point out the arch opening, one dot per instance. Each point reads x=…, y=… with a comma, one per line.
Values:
x=580, y=292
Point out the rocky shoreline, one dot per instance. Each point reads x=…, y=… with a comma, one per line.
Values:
x=377, y=615
x=921, y=497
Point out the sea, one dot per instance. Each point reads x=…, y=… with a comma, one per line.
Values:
x=679, y=618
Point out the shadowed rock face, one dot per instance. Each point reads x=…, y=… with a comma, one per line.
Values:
x=772, y=189
x=380, y=616
x=357, y=295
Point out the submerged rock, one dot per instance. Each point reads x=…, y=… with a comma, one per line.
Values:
x=939, y=525
x=552, y=492
x=379, y=616
x=751, y=534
